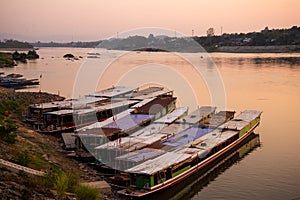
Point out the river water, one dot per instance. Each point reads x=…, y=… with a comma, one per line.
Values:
x=267, y=82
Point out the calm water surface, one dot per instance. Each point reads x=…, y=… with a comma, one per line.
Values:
x=271, y=171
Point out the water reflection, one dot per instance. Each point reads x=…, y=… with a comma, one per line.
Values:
x=292, y=60
x=251, y=143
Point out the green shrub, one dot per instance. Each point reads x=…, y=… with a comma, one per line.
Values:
x=61, y=184
x=86, y=193
x=73, y=181
x=7, y=131
x=22, y=158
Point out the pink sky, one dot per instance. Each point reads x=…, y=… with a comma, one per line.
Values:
x=67, y=20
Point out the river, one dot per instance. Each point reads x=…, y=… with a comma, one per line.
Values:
x=267, y=82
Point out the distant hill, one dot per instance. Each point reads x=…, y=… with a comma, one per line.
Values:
x=266, y=37
x=279, y=40
x=79, y=44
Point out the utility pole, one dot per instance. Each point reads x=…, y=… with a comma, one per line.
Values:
x=192, y=32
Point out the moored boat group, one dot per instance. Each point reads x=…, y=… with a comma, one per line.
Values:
x=140, y=134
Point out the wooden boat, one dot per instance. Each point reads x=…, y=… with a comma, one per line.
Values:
x=131, y=150
x=193, y=184
x=139, y=115
x=166, y=171
x=156, y=145
x=10, y=82
x=64, y=116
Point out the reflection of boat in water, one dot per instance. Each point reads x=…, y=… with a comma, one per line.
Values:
x=164, y=173
x=190, y=187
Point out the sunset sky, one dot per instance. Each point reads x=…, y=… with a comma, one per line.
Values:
x=67, y=20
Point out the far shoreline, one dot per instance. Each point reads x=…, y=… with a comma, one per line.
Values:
x=220, y=49
x=257, y=49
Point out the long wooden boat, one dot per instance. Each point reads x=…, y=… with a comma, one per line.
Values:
x=10, y=82
x=166, y=171
x=140, y=115
x=62, y=116
x=144, y=149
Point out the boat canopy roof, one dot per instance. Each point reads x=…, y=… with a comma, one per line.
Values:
x=213, y=139
x=188, y=121
x=129, y=121
x=143, y=103
x=235, y=124
x=147, y=135
x=248, y=115
x=124, y=143
x=148, y=130
x=159, y=124
x=98, y=125
x=84, y=101
x=159, y=163
x=140, y=155
x=108, y=106
x=186, y=136
x=198, y=115
x=114, y=91
x=147, y=141
x=151, y=95
x=217, y=119
x=154, y=105
x=69, y=139
x=171, y=117
x=143, y=92
x=54, y=104
x=60, y=112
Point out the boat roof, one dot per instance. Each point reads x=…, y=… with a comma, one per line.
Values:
x=114, y=91
x=54, y=104
x=198, y=115
x=235, y=124
x=217, y=119
x=148, y=130
x=129, y=121
x=188, y=121
x=194, y=152
x=171, y=117
x=248, y=115
x=138, y=139
x=143, y=92
x=160, y=123
x=242, y=120
x=216, y=140
x=151, y=95
x=154, y=105
x=140, y=155
x=159, y=163
x=68, y=138
x=108, y=106
x=147, y=141
x=60, y=112
x=124, y=143
x=84, y=101
x=144, y=102
x=98, y=125
x=186, y=136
